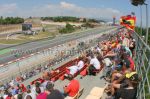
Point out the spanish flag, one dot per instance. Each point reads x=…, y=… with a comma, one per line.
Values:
x=128, y=21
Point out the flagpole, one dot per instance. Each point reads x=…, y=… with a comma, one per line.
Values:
x=146, y=40
x=141, y=20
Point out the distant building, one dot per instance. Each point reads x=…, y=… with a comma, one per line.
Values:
x=27, y=29
x=26, y=26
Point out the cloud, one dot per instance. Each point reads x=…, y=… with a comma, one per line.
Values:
x=67, y=5
x=7, y=8
x=66, y=9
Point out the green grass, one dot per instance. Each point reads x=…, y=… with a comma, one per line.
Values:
x=11, y=41
x=49, y=26
x=27, y=38
x=36, y=37
x=5, y=51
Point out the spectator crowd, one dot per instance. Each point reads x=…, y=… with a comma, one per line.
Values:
x=114, y=57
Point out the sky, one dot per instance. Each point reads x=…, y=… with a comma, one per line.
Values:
x=103, y=9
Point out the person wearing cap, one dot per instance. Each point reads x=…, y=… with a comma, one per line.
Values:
x=125, y=85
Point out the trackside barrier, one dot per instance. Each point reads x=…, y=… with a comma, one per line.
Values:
x=142, y=61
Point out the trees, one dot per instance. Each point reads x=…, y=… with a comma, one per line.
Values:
x=61, y=19
x=138, y=30
x=68, y=29
x=88, y=25
x=11, y=20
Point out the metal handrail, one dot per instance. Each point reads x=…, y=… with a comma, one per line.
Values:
x=143, y=67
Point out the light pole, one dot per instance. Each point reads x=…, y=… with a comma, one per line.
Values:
x=142, y=2
x=141, y=20
x=146, y=22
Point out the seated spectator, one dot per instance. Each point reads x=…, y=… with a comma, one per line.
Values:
x=53, y=71
x=80, y=64
x=28, y=97
x=126, y=41
x=23, y=88
x=75, y=68
x=94, y=65
x=127, y=88
x=52, y=93
x=19, y=96
x=46, y=75
x=37, y=86
x=5, y=94
x=38, y=92
x=72, y=88
x=29, y=94
x=45, y=82
x=125, y=49
x=127, y=57
x=107, y=67
x=10, y=96
x=71, y=70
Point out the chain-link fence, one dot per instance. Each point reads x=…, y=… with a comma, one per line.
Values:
x=142, y=60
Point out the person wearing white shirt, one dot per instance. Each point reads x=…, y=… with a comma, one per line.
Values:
x=94, y=65
x=73, y=69
x=80, y=65
x=107, y=62
x=94, y=61
x=107, y=68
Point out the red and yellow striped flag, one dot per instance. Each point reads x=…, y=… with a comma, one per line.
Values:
x=128, y=21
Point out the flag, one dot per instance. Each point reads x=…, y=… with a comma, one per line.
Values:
x=128, y=21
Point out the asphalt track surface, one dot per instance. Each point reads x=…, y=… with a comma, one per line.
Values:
x=41, y=45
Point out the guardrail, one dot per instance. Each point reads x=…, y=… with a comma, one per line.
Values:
x=142, y=61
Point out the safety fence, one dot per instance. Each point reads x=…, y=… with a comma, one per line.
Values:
x=142, y=60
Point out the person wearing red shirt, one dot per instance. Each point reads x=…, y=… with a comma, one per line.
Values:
x=42, y=95
x=132, y=65
x=131, y=61
x=73, y=87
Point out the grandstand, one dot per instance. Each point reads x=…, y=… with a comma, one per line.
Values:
x=109, y=61
x=95, y=84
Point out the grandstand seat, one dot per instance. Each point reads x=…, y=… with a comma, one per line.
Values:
x=92, y=97
x=37, y=80
x=80, y=71
x=77, y=95
x=55, y=76
x=96, y=91
x=97, y=71
x=62, y=77
x=84, y=72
